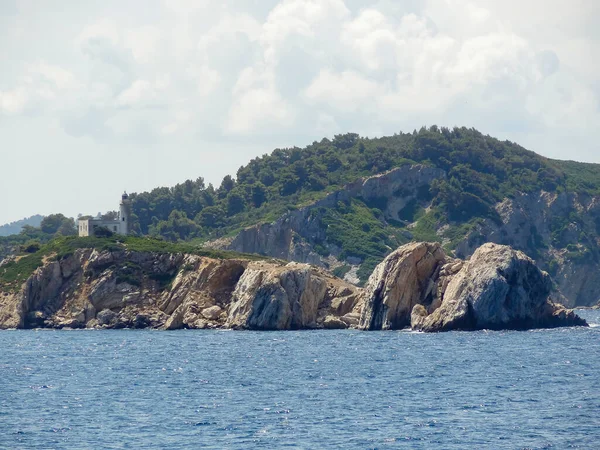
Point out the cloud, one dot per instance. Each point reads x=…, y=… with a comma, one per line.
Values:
x=346, y=91
x=144, y=94
x=256, y=109
x=291, y=67
x=37, y=89
x=13, y=101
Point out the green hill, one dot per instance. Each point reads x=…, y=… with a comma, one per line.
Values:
x=481, y=172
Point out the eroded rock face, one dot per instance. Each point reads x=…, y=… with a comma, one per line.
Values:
x=498, y=288
x=92, y=289
x=287, y=298
x=407, y=277
x=416, y=285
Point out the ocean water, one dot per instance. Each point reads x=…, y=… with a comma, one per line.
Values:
x=308, y=389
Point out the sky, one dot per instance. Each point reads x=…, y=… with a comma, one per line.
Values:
x=101, y=97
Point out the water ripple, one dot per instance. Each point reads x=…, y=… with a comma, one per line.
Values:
x=333, y=389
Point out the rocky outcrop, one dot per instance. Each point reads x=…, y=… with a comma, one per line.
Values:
x=92, y=289
x=287, y=298
x=405, y=278
x=416, y=285
x=498, y=288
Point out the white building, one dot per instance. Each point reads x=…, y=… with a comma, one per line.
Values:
x=121, y=225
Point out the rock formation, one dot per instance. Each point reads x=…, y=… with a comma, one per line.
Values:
x=417, y=285
x=405, y=278
x=288, y=297
x=103, y=289
x=498, y=288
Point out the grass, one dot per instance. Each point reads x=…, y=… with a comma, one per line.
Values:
x=15, y=273
x=354, y=227
x=426, y=227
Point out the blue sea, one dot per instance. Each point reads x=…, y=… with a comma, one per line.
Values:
x=307, y=389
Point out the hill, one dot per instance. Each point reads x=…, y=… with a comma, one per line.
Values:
x=456, y=186
x=17, y=226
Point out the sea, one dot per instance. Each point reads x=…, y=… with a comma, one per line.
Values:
x=130, y=389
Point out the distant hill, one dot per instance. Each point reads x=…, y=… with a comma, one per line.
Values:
x=15, y=227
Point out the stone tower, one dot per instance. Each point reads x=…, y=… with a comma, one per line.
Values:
x=125, y=214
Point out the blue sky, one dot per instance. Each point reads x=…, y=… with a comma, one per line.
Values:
x=99, y=97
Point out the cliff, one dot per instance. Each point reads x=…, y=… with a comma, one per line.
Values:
x=498, y=288
x=418, y=285
x=116, y=289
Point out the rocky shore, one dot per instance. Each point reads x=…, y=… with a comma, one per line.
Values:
x=416, y=286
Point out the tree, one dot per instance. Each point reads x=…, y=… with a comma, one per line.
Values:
x=210, y=217
x=50, y=224
x=58, y=223
x=103, y=232
x=110, y=215
x=259, y=194
x=235, y=203
x=289, y=183
x=227, y=185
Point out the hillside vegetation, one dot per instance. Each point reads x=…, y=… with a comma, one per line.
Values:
x=481, y=172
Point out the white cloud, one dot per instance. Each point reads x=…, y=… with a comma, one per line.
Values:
x=144, y=43
x=258, y=108
x=346, y=91
x=101, y=30
x=143, y=93
x=13, y=101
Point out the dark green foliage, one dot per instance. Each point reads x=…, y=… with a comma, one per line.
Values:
x=164, y=280
x=341, y=271
x=177, y=227
x=353, y=227
x=58, y=224
x=366, y=268
x=129, y=273
x=31, y=246
x=103, y=232
x=426, y=228
x=481, y=171
x=410, y=211
x=14, y=274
